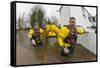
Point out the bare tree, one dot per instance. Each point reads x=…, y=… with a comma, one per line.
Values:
x=37, y=15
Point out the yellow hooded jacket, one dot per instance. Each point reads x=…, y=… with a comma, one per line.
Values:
x=64, y=32
x=31, y=32
x=51, y=30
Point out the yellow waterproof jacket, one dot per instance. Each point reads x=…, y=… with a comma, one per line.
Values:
x=31, y=32
x=51, y=30
x=64, y=32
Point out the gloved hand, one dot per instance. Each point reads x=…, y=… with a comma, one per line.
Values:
x=66, y=51
x=33, y=42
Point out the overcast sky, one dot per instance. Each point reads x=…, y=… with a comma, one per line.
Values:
x=51, y=10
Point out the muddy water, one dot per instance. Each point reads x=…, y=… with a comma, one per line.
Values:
x=49, y=53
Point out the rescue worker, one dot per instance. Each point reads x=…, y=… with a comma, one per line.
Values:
x=35, y=35
x=68, y=36
x=51, y=30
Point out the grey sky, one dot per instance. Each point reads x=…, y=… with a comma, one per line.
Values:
x=51, y=10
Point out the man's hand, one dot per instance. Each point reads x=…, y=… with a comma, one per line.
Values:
x=66, y=51
x=33, y=42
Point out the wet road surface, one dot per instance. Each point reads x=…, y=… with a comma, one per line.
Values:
x=27, y=54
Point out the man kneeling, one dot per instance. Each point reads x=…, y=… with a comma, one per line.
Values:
x=35, y=35
x=68, y=36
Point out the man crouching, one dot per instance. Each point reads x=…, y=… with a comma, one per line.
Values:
x=35, y=35
x=67, y=38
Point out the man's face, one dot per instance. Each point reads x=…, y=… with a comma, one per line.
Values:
x=36, y=26
x=72, y=22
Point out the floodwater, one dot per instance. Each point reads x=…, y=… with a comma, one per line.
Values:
x=27, y=54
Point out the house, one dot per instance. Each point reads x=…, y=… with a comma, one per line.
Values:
x=84, y=18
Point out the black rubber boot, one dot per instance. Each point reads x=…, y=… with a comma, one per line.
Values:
x=71, y=51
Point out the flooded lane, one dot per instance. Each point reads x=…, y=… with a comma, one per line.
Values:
x=28, y=54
